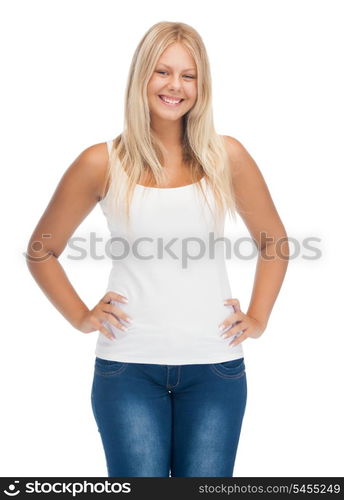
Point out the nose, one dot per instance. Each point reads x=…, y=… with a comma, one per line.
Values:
x=174, y=82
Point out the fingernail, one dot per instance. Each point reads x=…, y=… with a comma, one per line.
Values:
x=129, y=320
x=222, y=327
x=124, y=299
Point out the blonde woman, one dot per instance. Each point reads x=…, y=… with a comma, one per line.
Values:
x=169, y=388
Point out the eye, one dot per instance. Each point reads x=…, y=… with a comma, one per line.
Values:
x=186, y=76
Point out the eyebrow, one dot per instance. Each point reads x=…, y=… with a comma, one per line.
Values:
x=169, y=67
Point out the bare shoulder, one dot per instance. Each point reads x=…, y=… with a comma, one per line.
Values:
x=93, y=161
x=238, y=155
x=254, y=201
x=244, y=168
x=246, y=173
x=76, y=194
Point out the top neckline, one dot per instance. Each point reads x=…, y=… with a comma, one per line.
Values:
x=141, y=186
x=170, y=188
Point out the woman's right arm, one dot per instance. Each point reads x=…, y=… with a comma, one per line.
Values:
x=79, y=190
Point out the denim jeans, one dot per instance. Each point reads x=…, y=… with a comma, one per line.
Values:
x=169, y=420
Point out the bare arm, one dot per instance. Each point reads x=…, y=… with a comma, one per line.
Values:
x=79, y=190
x=259, y=213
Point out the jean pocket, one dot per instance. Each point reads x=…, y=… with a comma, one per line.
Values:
x=235, y=368
x=106, y=367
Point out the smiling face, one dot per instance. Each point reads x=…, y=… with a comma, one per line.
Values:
x=175, y=78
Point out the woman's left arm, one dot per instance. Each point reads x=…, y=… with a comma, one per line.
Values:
x=256, y=207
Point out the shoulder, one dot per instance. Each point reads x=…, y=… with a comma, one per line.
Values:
x=233, y=144
x=254, y=201
x=239, y=157
x=248, y=181
x=95, y=156
x=92, y=164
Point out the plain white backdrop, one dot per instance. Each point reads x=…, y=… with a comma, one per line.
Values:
x=278, y=88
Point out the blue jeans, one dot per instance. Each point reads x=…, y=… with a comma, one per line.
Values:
x=160, y=419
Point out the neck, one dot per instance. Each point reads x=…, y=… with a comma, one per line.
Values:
x=169, y=132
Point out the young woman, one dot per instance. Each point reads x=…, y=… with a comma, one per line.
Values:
x=169, y=388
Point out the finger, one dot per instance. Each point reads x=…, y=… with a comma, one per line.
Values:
x=105, y=331
x=239, y=339
x=230, y=321
x=233, y=302
x=114, y=296
x=107, y=334
x=111, y=309
x=232, y=331
x=114, y=321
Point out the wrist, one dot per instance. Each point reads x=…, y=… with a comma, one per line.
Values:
x=77, y=320
x=262, y=320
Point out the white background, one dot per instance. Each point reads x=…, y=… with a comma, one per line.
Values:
x=278, y=88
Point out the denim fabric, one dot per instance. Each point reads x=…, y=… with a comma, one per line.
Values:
x=169, y=420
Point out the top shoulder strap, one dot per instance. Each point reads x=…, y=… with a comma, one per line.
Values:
x=109, y=145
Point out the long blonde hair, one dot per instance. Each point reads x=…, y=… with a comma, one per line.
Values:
x=139, y=151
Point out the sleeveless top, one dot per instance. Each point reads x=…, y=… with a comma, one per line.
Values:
x=173, y=273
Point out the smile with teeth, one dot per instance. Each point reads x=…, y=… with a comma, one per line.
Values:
x=170, y=102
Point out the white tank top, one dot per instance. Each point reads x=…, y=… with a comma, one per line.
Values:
x=175, y=301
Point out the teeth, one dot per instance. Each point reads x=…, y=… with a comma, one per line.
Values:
x=169, y=100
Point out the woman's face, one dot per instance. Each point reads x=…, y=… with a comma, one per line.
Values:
x=175, y=76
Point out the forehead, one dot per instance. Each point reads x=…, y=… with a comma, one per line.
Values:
x=171, y=67
x=177, y=56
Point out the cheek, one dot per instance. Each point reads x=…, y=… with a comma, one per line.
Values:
x=153, y=86
x=192, y=91
x=192, y=94
x=149, y=89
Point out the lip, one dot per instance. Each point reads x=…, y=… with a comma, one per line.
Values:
x=168, y=103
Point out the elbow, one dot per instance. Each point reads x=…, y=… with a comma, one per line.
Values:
x=282, y=247
x=278, y=243
x=36, y=252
